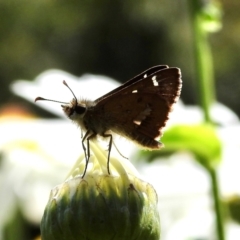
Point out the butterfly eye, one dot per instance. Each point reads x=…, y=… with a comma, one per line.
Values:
x=79, y=109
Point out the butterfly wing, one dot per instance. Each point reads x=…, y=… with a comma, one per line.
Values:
x=135, y=79
x=139, y=108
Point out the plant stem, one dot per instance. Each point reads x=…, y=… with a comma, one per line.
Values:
x=217, y=204
x=205, y=80
x=203, y=59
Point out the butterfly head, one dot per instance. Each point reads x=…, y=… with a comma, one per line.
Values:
x=74, y=110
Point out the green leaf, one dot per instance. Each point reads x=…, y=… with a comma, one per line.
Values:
x=201, y=140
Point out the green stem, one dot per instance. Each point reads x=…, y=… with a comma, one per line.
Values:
x=205, y=80
x=203, y=59
x=217, y=205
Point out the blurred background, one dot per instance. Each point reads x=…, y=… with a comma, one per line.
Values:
x=118, y=39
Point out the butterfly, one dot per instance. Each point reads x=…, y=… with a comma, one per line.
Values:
x=137, y=110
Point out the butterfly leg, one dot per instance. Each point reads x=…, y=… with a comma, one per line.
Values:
x=109, y=150
x=118, y=150
x=87, y=150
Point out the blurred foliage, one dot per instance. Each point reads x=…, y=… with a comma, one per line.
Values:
x=200, y=140
x=115, y=38
x=233, y=206
x=19, y=229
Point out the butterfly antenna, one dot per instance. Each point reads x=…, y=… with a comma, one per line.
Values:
x=64, y=82
x=50, y=100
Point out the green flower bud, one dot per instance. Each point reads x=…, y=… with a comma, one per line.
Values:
x=102, y=206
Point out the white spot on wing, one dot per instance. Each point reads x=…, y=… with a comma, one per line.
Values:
x=155, y=82
x=142, y=115
x=136, y=122
x=145, y=75
x=134, y=91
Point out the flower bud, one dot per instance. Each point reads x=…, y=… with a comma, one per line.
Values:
x=102, y=206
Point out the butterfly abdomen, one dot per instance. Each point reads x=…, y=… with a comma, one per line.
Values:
x=146, y=142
